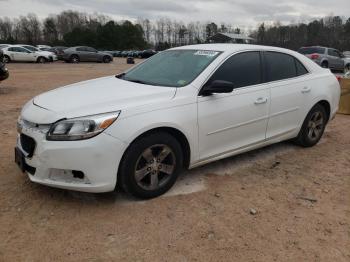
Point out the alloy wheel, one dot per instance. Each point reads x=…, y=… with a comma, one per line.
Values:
x=315, y=126
x=6, y=59
x=155, y=167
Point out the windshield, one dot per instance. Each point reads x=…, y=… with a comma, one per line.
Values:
x=311, y=50
x=173, y=68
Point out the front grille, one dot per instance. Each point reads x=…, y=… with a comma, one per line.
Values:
x=28, y=144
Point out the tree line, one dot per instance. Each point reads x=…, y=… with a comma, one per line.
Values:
x=331, y=31
x=71, y=28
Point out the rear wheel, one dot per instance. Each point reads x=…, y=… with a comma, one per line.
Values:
x=324, y=64
x=151, y=165
x=313, y=127
x=74, y=59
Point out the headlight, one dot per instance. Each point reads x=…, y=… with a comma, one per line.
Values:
x=81, y=128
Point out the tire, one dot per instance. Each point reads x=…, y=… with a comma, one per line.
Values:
x=313, y=127
x=347, y=68
x=7, y=59
x=41, y=60
x=106, y=59
x=157, y=172
x=74, y=59
x=324, y=64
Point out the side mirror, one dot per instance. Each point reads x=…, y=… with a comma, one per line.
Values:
x=217, y=86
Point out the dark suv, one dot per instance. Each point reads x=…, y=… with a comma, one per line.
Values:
x=324, y=56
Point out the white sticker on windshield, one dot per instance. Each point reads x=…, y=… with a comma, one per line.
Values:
x=206, y=53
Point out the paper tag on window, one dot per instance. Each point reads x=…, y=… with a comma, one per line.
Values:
x=206, y=53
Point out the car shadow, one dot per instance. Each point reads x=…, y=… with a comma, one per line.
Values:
x=190, y=181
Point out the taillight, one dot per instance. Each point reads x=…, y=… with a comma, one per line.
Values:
x=314, y=56
x=338, y=78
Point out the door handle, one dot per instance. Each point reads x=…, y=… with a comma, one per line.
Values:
x=306, y=89
x=260, y=100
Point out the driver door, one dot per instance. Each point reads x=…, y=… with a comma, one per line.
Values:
x=232, y=121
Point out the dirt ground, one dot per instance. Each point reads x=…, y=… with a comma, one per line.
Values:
x=301, y=198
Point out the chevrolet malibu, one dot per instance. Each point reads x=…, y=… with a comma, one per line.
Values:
x=180, y=109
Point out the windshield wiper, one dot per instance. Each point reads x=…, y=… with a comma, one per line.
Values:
x=120, y=76
x=137, y=81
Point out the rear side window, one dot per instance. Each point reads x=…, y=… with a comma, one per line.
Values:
x=301, y=70
x=333, y=52
x=243, y=69
x=280, y=66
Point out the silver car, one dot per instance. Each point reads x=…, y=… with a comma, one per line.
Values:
x=326, y=57
x=85, y=54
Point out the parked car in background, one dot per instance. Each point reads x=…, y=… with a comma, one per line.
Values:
x=18, y=53
x=4, y=73
x=59, y=51
x=50, y=56
x=180, y=109
x=147, y=53
x=117, y=53
x=85, y=54
x=346, y=59
x=324, y=56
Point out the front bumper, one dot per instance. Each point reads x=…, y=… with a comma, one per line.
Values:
x=54, y=162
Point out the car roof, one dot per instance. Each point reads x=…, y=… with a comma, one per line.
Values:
x=232, y=48
x=22, y=45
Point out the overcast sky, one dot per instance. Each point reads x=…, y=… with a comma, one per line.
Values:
x=237, y=12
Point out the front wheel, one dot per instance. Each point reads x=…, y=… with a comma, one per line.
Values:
x=151, y=165
x=106, y=59
x=347, y=69
x=41, y=60
x=313, y=127
x=7, y=59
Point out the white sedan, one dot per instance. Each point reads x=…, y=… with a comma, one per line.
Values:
x=18, y=53
x=182, y=108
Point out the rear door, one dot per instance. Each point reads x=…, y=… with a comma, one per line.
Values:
x=231, y=121
x=289, y=92
x=91, y=54
x=82, y=53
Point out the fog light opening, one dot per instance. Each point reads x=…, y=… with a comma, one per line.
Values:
x=78, y=174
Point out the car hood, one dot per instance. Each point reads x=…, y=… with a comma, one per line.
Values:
x=96, y=96
x=104, y=53
x=44, y=53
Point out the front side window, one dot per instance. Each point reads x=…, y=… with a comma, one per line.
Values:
x=90, y=49
x=279, y=66
x=173, y=68
x=242, y=70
